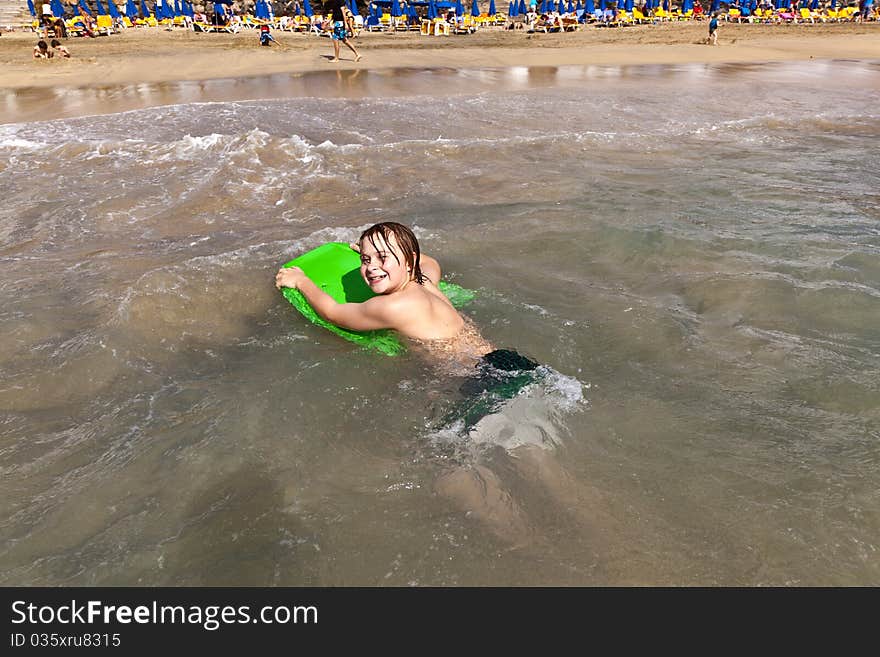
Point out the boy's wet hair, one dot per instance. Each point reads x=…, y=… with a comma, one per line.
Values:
x=55, y=43
x=42, y=45
x=406, y=239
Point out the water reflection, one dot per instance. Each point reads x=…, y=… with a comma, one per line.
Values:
x=39, y=103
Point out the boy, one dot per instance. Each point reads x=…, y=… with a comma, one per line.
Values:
x=404, y=281
x=713, y=30
x=58, y=49
x=266, y=39
x=41, y=50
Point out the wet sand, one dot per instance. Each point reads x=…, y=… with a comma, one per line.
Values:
x=158, y=55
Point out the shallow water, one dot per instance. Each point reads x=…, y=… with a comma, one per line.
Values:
x=692, y=252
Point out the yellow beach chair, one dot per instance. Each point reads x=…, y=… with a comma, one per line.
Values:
x=104, y=24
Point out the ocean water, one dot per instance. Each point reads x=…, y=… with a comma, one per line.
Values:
x=691, y=252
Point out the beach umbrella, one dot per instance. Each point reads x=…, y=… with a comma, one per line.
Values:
x=57, y=8
x=100, y=8
x=354, y=8
x=84, y=6
x=31, y=8
x=570, y=8
x=560, y=8
x=178, y=10
x=307, y=9
x=459, y=8
x=114, y=10
x=511, y=10
x=589, y=6
x=814, y=5
x=475, y=8
x=131, y=10
x=144, y=11
x=395, y=8
x=522, y=8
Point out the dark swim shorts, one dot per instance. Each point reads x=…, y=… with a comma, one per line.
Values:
x=500, y=376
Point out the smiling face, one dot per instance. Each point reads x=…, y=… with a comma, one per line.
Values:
x=383, y=265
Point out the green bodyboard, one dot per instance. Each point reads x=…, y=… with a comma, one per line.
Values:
x=335, y=268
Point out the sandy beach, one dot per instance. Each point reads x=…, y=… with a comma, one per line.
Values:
x=157, y=55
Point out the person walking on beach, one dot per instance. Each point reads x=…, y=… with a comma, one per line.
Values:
x=713, y=30
x=342, y=27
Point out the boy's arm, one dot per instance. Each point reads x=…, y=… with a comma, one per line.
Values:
x=376, y=313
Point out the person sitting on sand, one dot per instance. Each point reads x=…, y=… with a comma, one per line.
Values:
x=266, y=38
x=41, y=50
x=59, y=50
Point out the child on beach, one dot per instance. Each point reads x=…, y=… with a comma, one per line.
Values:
x=266, y=38
x=41, y=50
x=713, y=30
x=59, y=50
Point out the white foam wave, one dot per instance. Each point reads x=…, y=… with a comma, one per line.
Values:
x=535, y=416
x=18, y=144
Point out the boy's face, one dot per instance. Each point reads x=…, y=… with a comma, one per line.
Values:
x=381, y=270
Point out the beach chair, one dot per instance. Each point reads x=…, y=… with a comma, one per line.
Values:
x=104, y=25
x=75, y=26
x=442, y=28
x=639, y=17
x=624, y=18
x=570, y=24
x=806, y=15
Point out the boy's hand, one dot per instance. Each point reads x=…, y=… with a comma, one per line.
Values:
x=354, y=247
x=289, y=277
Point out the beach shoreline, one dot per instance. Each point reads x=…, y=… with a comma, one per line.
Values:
x=155, y=55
